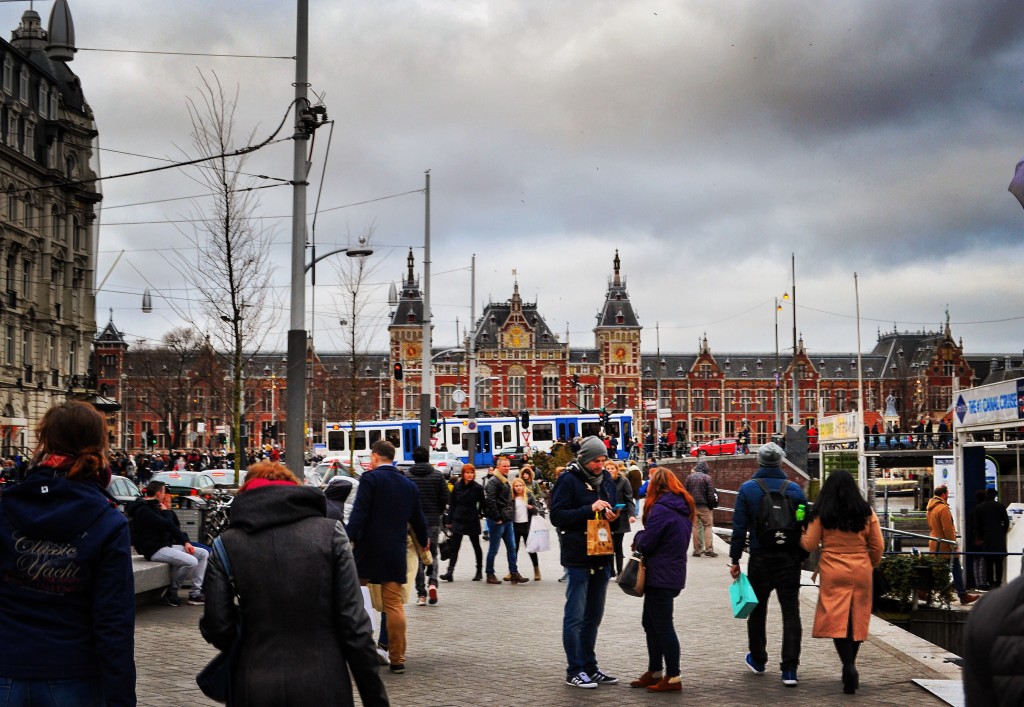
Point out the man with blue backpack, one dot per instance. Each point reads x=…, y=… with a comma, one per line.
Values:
x=767, y=509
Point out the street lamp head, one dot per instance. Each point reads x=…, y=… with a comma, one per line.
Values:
x=359, y=252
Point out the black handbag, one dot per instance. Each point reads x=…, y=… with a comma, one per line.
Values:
x=631, y=579
x=215, y=679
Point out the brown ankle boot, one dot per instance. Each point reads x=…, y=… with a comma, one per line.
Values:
x=667, y=684
x=645, y=680
x=536, y=574
x=517, y=578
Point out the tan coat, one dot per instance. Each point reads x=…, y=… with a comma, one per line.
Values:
x=940, y=525
x=845, y=573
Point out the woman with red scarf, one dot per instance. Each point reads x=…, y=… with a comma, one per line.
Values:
x=304, y=628
x=67, y=596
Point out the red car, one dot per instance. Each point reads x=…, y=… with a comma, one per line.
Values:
x=714, y=448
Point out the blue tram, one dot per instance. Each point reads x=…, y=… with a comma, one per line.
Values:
x=493, y=434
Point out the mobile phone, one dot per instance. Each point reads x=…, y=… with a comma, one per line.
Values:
x=619, y=506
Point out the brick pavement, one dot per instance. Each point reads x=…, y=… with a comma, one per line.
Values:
x=501, y=645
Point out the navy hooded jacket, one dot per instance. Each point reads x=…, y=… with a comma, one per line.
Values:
x=67, y=594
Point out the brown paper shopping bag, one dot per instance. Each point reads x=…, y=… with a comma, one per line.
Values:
x=599, y=536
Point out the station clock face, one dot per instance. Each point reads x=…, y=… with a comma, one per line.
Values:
x=620, y=353
x=413, y=350
x=515, y=337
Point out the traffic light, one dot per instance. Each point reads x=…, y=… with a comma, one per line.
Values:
x=524, y=418
x=272, y=431
x=433, y=417
x=398, y=371
x=222, y=438
x=151, y=438
x=605, y=420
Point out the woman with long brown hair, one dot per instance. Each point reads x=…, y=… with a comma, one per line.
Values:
x=299, y=603
x=67, y=597
x=668, y=521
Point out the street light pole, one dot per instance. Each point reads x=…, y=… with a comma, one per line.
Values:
x=425, y=382
x=778, y=373
x=796, y=385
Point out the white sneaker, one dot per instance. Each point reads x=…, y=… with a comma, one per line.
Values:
x=382, y=657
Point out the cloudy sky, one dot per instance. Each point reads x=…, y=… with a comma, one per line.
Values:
x=706, y=141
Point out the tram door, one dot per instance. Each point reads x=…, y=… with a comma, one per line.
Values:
x=484, y=445
x=566, y=430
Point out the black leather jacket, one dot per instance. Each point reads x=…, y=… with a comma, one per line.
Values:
x=498, y=503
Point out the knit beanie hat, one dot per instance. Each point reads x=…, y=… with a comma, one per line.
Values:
x=591, y=448
x=770, y=454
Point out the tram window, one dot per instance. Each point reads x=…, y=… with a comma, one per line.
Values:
x=614, y=425
x=374, y=436
x=359, y=440
x=498, y=440
x=336, y=440
x=542, y=432
x=506, y=433
x=456, y=435
x=393, y=435
x=590, y=429
x=572, y=431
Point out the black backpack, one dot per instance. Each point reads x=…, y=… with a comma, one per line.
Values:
x=776, y=526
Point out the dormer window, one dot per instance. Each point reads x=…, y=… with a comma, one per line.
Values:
x=620, y=318
x=759, y=364
x=839, y=371
x=410, y=317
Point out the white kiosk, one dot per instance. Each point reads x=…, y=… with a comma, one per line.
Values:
x=982, y=418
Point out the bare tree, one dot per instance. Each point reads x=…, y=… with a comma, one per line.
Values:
x=360, y=327
x=177, y=374
x=228, y=263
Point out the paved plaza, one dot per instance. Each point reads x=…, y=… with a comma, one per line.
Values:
x=501, y=645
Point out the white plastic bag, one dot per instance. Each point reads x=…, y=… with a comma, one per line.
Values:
x=538, y=540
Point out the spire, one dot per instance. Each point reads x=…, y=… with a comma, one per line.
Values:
x=948, y=332
x=409, y=276
x=61, y=32
x=617, y=264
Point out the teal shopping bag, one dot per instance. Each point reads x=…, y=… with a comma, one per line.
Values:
x=742, y=596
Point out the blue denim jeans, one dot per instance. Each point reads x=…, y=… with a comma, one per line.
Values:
x=51, y=693
x=585, y=592
x=501, y=533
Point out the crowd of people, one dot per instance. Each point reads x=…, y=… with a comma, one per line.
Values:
x=68, y=633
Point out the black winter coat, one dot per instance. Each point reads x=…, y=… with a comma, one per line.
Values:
x=304, y=626
x=498, y=504
x=993, y=646
x=465, y=505
x=433, y=492
x=151, y=528
x=570, y=509
x=990, y=525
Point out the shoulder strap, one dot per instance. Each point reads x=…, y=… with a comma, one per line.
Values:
x=764, y=488
x=222, y=555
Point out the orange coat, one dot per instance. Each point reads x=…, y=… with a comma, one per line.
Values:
x=940, y=525
x=845, y=571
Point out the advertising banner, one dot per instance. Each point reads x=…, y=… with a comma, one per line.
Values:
x=988, y=404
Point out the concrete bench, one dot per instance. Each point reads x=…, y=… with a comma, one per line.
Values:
x=151, y=578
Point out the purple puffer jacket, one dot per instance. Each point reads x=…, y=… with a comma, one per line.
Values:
x=665, y=541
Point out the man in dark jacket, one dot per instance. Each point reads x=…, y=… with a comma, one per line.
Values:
x=991, y=521
x=769, y=569
x=158, y=538
x=499, y=509
x=993, y=643
x=582, y=491
x=434, y=499
x=386, y=505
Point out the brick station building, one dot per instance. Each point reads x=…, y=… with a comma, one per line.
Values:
x=523, y=364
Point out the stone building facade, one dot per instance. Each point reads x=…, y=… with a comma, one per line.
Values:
x=47, y=233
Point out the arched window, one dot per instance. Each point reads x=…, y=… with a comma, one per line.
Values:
x=71, y=166
x=56, y=225
x=77, y=234
x=12, y=204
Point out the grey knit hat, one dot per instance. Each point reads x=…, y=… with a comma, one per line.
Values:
x=702, y=467
x=591, y=448
x=770, y=454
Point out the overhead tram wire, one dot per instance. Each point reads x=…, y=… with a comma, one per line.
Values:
x=151, y=51
x=235, y=153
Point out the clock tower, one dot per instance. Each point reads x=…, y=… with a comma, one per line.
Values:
x=617, y=336
x=406, y=342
